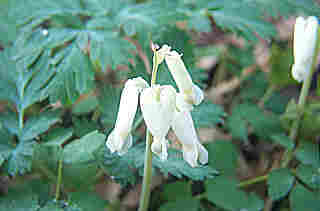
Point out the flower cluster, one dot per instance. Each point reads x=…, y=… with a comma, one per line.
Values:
x=162, y=108
x=304, y=43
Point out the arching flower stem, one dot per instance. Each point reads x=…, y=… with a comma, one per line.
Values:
x=147, y=173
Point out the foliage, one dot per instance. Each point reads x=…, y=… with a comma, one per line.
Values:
x=62, y=68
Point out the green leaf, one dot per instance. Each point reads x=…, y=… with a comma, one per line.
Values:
x=247, y=114
x=88, y=201
x=5, y=146
x=74, y=77
x=8, y=29
x=223, y=192
x=280, y=182
x=60, y=206
x=23, y=87
x=19, y=199
x=83, y=126
x=182, y=45
x=281, y=59
x=176, y=191
x=85, y=106
x=253, y=88
x=199, y=23
x=65, y=29
x=20, y=159
x=109, y=101
x=81, y=150
x=226, y=164
x=48, y=156
x=309, y=175
x=237, y=18
x=283, y=140
x=80, y=166
x=187, y=203
x=109, y=50
x=308, y=153
x=277, y=102
x=176, y=166
x=207, y=114
x=302, y=199
x=118, y=166
x=57, y=137
x=37, y=125
x=238, y=126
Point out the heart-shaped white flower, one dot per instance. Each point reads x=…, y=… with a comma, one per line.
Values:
x=158, y=105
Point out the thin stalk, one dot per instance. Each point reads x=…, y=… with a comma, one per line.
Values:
x=137, y=123
x=252, y=181
x=59, y=178
x=147, y=174
x=266, y=96
x=21, y=116
x=301, y=105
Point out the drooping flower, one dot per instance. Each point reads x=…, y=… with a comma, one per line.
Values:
x=192, y=149
x=304, y=43
x=158, y=104
x=162, y=107
x=190, y=92
x=120, y=139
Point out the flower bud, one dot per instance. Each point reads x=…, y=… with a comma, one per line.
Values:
x=304, y=43
x=120, y=138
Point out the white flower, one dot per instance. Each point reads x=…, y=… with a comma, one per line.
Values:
x=158, y=104
x=161, y=108
x=304, y=43
x=190, y=92
x=120, y=138
x=192, y=149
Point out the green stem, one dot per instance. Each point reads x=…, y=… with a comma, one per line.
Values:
x=45, y=171
x=147, y=174
x=137, y=123
x=21, y=116
x=266, y=96
x=252, y=181
x=288, y=155
x=59, y=178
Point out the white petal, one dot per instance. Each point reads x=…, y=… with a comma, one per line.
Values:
x=198, y=95
x=312, y=32
x=179, y=72
x=119, y=143
x=158, y=106
x=182, y=104
x=203, y=154
x=190, y=155
x=120, y=139
x=162, y=53
x=137, y=83
x=192, y=149
x=298, y=36
x=193, y=94
x=159, y=147
x=301, y=71
x=305, y=41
